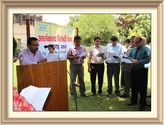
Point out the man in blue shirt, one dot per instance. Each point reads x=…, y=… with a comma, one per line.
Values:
x=139, y=56
x=113, y=53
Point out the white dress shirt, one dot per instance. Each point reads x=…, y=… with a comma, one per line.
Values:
x=27, y=57
x=117, y=50
x=92, y=53
x=124, y=49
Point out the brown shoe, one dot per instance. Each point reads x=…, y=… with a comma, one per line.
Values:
x=107, y=94
x=100, y=94
x=93, y=94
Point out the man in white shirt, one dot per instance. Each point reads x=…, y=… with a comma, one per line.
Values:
x=114, y=53
x=51, y=55
x=96, y=66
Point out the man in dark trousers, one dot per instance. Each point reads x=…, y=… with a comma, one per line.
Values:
x=96, y=66
x=139, y=56
x=76, y=66
x=113, y=53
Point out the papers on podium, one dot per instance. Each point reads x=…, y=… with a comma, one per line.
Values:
x=36, y=96
x=100, y=54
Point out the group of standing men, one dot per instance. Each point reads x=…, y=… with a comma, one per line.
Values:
x=136, y=76
x=134, y=73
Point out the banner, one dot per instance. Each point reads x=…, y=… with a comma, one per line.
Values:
x=60, y=36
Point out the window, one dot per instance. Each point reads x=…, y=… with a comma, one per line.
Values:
x=23, y=19
x=16, y=18
x=31, y=20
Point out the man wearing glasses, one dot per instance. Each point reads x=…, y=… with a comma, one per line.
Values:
x=139, y=56
x=31, y=55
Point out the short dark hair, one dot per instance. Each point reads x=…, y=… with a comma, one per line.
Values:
x=127, y=41
x=30, y=40
x=140, y=38
x=114, y=38
x=50, y=45
x=132, y=37
x=96, y=38
x=77, y=38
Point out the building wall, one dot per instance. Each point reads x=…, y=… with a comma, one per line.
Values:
x=20, y=32
x=19, y=24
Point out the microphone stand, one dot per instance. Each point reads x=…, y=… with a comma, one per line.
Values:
x=74, y=85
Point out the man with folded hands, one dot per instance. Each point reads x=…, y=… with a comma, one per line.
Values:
x=139, y=55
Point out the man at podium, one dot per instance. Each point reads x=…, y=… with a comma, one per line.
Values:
x=31, y=54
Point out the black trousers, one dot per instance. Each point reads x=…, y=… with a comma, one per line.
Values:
x=139, y=85
x=97, y=69
x=113, y=69
x=122, y=75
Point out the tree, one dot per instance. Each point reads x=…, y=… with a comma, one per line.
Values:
x=91, y=25
x=143, y=25
x=134, y=24
x=72, y=20
x=126, y=23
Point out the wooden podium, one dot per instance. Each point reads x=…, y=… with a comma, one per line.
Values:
x=49, y=74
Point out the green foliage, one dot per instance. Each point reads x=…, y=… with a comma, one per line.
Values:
x=72, y=20
x=134, y=24
x=125, y=22
x=143, y=25
x=105, y=25
x=97, y=103
x=92, y=25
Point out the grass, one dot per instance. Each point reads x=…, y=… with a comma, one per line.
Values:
x=97, y=103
